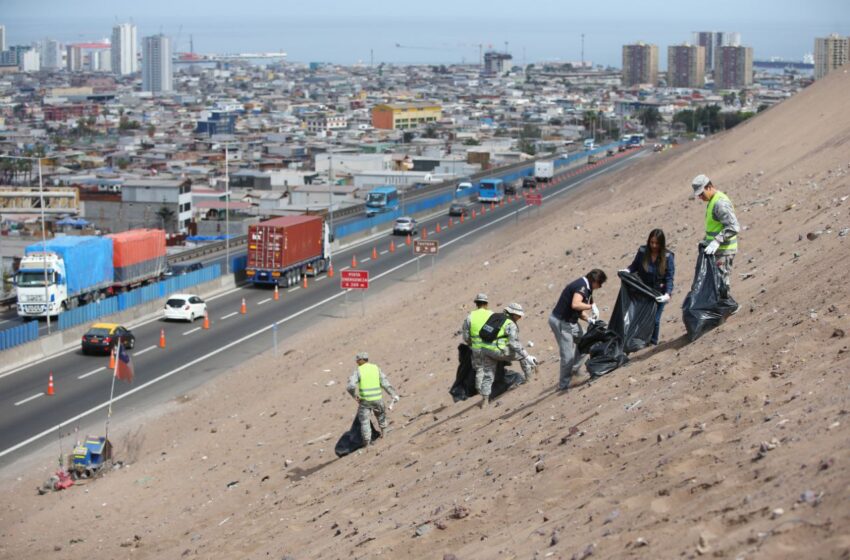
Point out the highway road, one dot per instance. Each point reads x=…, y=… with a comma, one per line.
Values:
x=30, y=418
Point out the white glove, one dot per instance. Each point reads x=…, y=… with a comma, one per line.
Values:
x=594, y=313
x=712, y=247
x=626, y=270
x=531, y=360
x=396, y=399
x=663, y=298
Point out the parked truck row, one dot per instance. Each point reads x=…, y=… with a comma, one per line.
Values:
x=69, y=271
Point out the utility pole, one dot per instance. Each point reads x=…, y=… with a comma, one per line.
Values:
x=227, y=209
x=582, y=50
x=330, y=192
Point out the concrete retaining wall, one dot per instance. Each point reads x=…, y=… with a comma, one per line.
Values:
x=47, y=346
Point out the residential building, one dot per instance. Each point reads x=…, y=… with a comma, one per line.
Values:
x=124, y=49
x=2, y=37
x=734, y=68
x=51, y=54
x=830, y=53
x=705, y=39
x=402, y=116
x=156, y=64
x=724, y=39
x=175, y=196
x=686, y=66
x=320, y=123
x=640, y=64
x=712, y=41
x=494, y=62
x=29, y=61
x=216, y=122
x=73, y=58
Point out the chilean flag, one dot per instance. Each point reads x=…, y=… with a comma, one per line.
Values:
x=123, y=365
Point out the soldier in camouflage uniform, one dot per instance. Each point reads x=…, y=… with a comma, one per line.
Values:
x=365, y=385
x=470, y=330
x=506, y=348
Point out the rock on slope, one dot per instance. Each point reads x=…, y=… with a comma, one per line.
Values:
x=734, y=446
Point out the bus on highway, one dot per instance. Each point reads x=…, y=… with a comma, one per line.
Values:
x=381, y=199
x=491, y=190
x=633, y=140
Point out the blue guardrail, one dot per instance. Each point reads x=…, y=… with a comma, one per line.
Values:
x=151, y=292
x=16, y=336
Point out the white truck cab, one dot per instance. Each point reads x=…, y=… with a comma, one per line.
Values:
x=30, y=284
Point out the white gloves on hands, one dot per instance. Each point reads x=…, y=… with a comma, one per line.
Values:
x=663, y=298
x=712, y=247
x=395, y=400
x=531, y=360
x=594, y=313
x=626, y=270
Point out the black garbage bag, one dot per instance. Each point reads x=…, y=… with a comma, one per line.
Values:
x=352, y=440
x=604, y=348
x=706, y=306
x=464, y=385
x=634, y=313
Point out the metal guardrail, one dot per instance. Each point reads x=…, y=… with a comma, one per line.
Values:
x=215, y=247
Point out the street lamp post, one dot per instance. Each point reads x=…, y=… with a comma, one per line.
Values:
x=227, y=209
x=43, y=236
x=330, y=193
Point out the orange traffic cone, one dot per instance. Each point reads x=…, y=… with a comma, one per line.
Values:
x=424, y=234
x=305, y=281
x=502, y=202
x=244, y=309
x=50, y=384
x=276, y=293
x=473, y=213
x=206, y=321
x=407, y=241
x=353, y=261
x=438, y=227
x=461, y=218
x=374, y=253
x=392, y=246
x=112, y=359
x=330, y=271
x=483, y=209
x=450, y=223
x=162, y=338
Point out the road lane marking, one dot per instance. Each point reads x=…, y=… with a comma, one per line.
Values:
x=193, y=330
x=148, y=349
x=53, y=429
x=384, y=252
x=318, y=278
x=344, y=268
x=28, y=399
x=264, y=301
x=230, y=315
x=290, y=290
x=367, y=259
x=83, y=376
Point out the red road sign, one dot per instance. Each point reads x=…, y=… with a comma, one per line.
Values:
x=426, y=247
x=534, y=199
x=354, y=279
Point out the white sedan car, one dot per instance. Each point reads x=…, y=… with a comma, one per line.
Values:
x=186, y=307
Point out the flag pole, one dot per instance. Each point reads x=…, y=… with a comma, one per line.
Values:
x=112, y=392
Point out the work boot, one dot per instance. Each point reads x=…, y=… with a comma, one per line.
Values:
x=485, y=401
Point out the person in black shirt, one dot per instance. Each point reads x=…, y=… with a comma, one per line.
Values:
x=576, y=302
x=655, y=266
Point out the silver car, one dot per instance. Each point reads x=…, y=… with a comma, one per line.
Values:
x=405, y=225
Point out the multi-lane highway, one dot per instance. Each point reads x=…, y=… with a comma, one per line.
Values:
x=29, y=417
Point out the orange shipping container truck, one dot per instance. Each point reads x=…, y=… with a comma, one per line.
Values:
x=138, y=255
x=282, y=250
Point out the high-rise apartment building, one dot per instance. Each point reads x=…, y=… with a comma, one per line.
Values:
x=2, y=37
x=124, y=49
x=830, y=53
x=640, y=64
x=29, y=61
x=73, y=58
x=734, y=68
x=712, y=41
x=686, y=66
x=156, y=64
x=51, y=54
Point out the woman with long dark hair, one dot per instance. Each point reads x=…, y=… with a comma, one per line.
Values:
x=655, y=266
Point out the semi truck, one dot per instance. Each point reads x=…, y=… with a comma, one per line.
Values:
x=491, y=190
x=544, y=171
x=81, y=269
x=283, y=250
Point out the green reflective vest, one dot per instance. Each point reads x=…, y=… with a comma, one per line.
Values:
x=501, y=341
x=370, y=382
x=713, y=227
x=476, y=320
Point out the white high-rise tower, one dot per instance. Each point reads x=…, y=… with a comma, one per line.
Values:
x=124, y=49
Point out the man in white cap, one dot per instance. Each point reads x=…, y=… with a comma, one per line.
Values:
x=506, y=347
x=365, y=385
x=471, y=329
x=721, y=228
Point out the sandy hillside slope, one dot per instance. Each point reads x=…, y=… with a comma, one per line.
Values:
x=735, y=446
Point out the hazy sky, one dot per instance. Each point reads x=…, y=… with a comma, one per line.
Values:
x=439, y=30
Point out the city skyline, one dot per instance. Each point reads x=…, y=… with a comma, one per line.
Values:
x=444, y=34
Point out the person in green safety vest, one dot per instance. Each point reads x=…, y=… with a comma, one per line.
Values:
x=365, y=385
x=721, y=228
x=470, y=331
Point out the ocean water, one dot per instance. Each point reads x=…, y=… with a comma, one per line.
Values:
x=528, y=37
